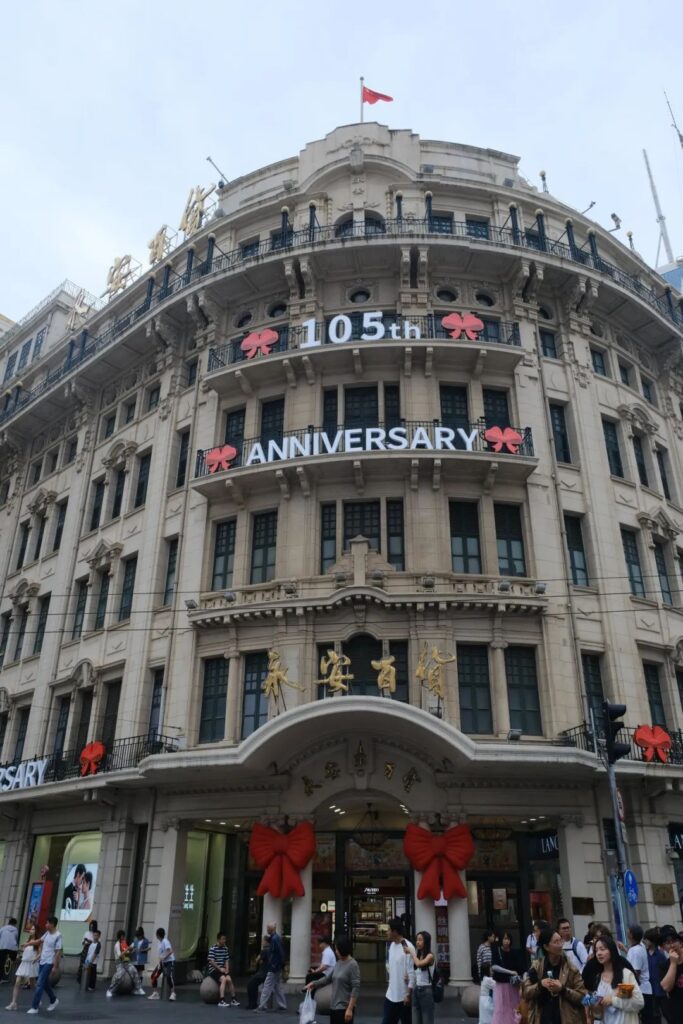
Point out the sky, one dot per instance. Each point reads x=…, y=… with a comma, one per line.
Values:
x=109, y=110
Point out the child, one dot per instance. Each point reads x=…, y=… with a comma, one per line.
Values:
x=124, y=966
x=488, y=986
x=27, y=970
x=91, y=959
x=140, y=951
x=166, y=964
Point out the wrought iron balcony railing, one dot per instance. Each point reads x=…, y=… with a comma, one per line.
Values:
x=305, y=443
x=583, y=737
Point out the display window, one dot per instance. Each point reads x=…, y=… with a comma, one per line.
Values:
x=64, y=881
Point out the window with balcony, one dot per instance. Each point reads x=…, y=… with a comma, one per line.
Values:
x=648, y=389
x=396, y=553
x=249, y=249
x=522, y=686
x=183, y=452
x=599, y=360
x=629, y=541
x=40, y=535
x=625, y=374
x=455, y=410
x=59, y=524
x=5, y=627
x=224, y=555
x=374, y=224
x=465, y=545
x=119, y=487
x=496, y=409
x=558, y=424
x=280, y=239
x=477, y=227
x=24, y=533
x=155, y=704
x=662, y=573
x=144, y=465
x=79, y=611
x=214, y=697
x=263, y=547
x=272, y=421
x=441, y=223
x=130, y=568
x=639, y=455
x=254, y=700
x=662, y=456
x=84, y=715
x=112, y=699
x=330, y=411
x=577, y=552
x=510, y=540
x=392, y=406
x=41, y=624
x=655, y=698
x=328, y=536
x=611, y=435
x=361, y=518
x=363, y=649
x=97, y=503
x=548, y=344
x=171, y=570
x=474, y=688
x=234, y=431
x=592, y=681
x=361, y=407
x=23, y=715
x=102, y=597
x=63, y=709
x=22, y=622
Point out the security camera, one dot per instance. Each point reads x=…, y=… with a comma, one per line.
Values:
x=617, y=220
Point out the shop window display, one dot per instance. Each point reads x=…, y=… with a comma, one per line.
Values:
x=64, y=881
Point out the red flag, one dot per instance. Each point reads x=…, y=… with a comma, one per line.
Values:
x=370, y=96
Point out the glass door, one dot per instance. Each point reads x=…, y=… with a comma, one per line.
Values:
x=493, y=903
x=370, y=901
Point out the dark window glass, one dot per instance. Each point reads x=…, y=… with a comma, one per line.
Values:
x=59, y=525
x=9, y=369
x=41, y=625
x=63, y=708
x=4, y=718
x=153, y=396
x=363, y=649
x=191, y=374
x=224, y=555
x=474, y=689
x=455, y=410
x=272, y=420
x=654, y=693
x=21, y=633
x=560, y=436
x=214, y=695
x=183, y=449
x=4, y=492
x=119, y=485
x=330, y=412
x=612, y=445
x=396, y=554
x=548, y=346
x=171, y=565
x=392, y=406
x=248, y=249
x=641, y=465
x=577, y=553
x=522, y=684
x=263, y=547
x=25, y=352
x=38, y=347
x=36, y=471
x=144, y=463
x=254, y=701
x=234, y=432
x=109, y=425
x=154, y=727
x=22, y=729
x=97, y=501
x=281, y=239
x=24, y=531
x=6, y=625
x=465, y=547
x=592, y=679
x=84, y=719
x=126, y=602
x=510, y=541
x=662, y=457
x=635, y=573
x=477, y=227
x=441, y=223
x=598, y=360
x=52, y=460
x=71, y=451
x=625, y=374
x=129, y=415
x=496, y=411
x=328, y=536
x=79, y=613
x=111, y=713
x=664, y=584
x=679, y=684
x=361, y=518
x=101, y=607
x=39, y=537
x=648, y=390
x=360, y=408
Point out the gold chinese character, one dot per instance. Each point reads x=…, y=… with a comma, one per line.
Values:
x=332, y=665
x=120, y=273
x=386, y=680
x=309, y=785
x=275, y=679
x=159, y=245
x=409, y=779
x=193, y=213
x=429, y=668
x=332, y=770
x=389, y=769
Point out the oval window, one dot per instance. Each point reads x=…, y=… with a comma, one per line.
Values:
x=446, y=295
x=545, y=313
x=244, y=320
x=360, y=295
x=484, y=299
x=279, y=309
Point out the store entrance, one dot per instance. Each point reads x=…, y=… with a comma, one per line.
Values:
x=494, y=903
x=370, y=901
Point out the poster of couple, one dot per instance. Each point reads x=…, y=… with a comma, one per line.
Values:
x=79, y=892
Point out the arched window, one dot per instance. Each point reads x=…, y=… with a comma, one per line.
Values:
x=344, y=227
x=374, y=224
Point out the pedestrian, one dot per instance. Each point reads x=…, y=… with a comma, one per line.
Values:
x=276, y=963
x=219, y=970
x=259, y=976
x=532, y=943
x=672, y=976
x=345, y=981
x=85, y=942
x=123, y=966
x=657, y=959
x=141, y=946
x=573, y=948
x=50, y=955
x=640, y=965
x=91, y=958
x=327, y=960
x=619, y=1005
x=425, y=965
x=166, y=965
x=553, y=987
x=27, y=970
x=487, y=991
x=485, y=952
x=9, y=946
x=400, y=974
x=507, y=969
x=592, y=970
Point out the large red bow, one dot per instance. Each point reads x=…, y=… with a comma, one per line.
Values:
x=440, y=858
x=263, y=342
x=91, y=757
x=457, y=324
x=220, y=457
x=653, y=740
x=508, y=437
x=282, y=857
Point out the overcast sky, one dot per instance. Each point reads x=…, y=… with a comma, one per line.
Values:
x=110, y=109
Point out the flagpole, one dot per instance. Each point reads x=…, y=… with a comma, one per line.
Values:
x=361, y=98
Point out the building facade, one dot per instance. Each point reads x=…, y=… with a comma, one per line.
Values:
x=351, y=510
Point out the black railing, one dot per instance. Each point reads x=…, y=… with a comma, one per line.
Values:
x=124, y=753
x=583, y=737
x=307, y=442
x=217, y=262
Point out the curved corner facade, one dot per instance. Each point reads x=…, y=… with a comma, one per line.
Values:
x=353, y=510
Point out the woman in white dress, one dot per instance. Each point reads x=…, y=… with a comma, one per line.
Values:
x=27, y=971
x=620, y=997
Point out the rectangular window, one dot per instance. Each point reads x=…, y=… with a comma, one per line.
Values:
x=36, y=471
x=234, y=432
x=5, y=626
x=191, y=373
x=641, y=465
x=38, y=347
x=254, y=701
x=477, y=227
x=24, y=532
x=662, y=573
x=612, y=445
x=474, y=689
x=272, y=420
x=328, y=536
x=496, y=411
x=154, y=727
x=59, y=524
x=635, y=573
x=39, y=537
x=214, y=697
x=171, y=567
x=522, y=685
x=63, y=708
x=330, y=412
x=41, y=625
x=84, y=715
x=625, y=374
x=592, y=681
x=153, y=396
x=119, y=486
x=79, y=613
x=129, y=412
x=224, y=555
x=52, y=461
x=25, y=352
x=263, y=547
x=392, y=406
x=548, y=346
x=465, y=546
x=662, y=461
x=510, y=542
x=111, y=713
x=679, y=684
x=21, y=633
x=71, y=451
x=361, y=519
x=9, y=369
x=455, y=410
x=361, y=408
x=558, y=423
x=648, y=389
x=441, y=223
x=144, y=464
x=599, y=362
x=109, y=425
x=3, y=732
x=248, y=249
x=130, y=567
x=654, y=693
x=102, y=596
x=577, y=553
x=396, y=554
x=97, y=502
x=22, y=729
x=183, y=450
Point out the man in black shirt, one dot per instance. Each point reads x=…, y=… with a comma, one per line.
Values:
x=672, y=974
x=72, y=890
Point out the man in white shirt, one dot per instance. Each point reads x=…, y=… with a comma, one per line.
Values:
x=637, y=957
x=573, y=948
x=327, y=960
x=400, y=975
x=9, y=943
x=50, y=955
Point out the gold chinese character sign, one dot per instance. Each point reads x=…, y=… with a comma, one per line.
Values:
x=332, y=667
x=276, y=678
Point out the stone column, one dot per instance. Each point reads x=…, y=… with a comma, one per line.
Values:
x=574, y=866
x=272, y=913
x=233, y=726
x=499, y=694
x=425, y=914
x=300, y=945
x=459, y=941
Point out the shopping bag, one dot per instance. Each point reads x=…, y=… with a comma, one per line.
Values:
x=307, y=1010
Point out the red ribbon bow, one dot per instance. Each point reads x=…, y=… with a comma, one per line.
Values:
x=440, y=858
x=220, y=458
x=263, y=342
x=91, y=757
x=653, y=740
x=508, y=437
x=457, y=324
x=282, y=857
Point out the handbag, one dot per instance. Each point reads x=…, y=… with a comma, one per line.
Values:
x=307, y=1010
x=437, y=985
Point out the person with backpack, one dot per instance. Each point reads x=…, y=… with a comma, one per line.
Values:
x=573, y=948
x=425, y=966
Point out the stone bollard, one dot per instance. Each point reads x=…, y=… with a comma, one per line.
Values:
x=209, y=991
x=470, y=1000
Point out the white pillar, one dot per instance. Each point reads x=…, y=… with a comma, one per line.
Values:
x=300, y=944
x=272, y=913
x=425, y=914
x=459, y=941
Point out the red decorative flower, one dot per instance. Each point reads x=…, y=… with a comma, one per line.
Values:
x=282, y=857
x=91, y=757
x=220, y=458
x=508, y=437
x=440, y=858
x=263, y=342
x=469, y=325
x=652, y=739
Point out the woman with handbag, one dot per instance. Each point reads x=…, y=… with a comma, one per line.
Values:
x=553, y=988
x=619, y=997
x=507, y=968
x=425, y=965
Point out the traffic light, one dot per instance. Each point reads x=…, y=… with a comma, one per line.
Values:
x=615, y=749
